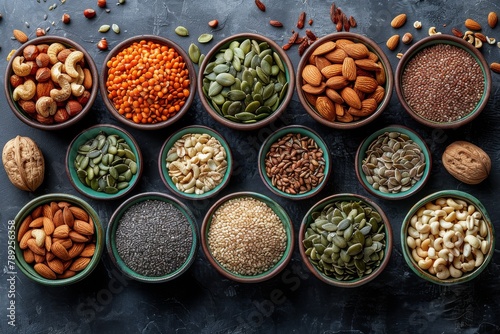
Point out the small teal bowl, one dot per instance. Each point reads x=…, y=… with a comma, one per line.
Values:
x=81, y=139
x=169, y=143
x=304, y=132
x=115, y=221
x=411, y=258
x=361, y=155
x=28, y=269
x=273, y=271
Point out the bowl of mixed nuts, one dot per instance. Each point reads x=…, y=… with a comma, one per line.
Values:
x=448, y=238
x=344, y=80
x=246, y=81
x=147, y=82
x=294, y=162
x=247, y=237
x=443, y=82
x=51, y=82
x=345, y=240
x=104, y=162
x=393, y=163
x=195, y=162
x=59, y=239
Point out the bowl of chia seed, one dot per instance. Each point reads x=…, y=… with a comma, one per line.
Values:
x=443, y=82
x=152, y=238
x=247, y=237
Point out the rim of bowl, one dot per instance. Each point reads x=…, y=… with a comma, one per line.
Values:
x=285, y=220
x=453, y=194
x=28, y=270
x=167, y=180
x=372, y=46
x=361, y=153
x=86, y=135
x=113, y=225
x=21, y=115
x=306, y=221
x=284, y=103
x=161, y=40
x=455, y=41
x=271, y=139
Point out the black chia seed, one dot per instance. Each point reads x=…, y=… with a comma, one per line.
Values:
x=153, y=238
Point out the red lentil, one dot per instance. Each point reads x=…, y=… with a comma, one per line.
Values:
x=148, y=82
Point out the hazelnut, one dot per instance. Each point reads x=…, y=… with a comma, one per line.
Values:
x=73, y=108
x=101, y=3
x=28, y=106
x=42, y=74
x=40, y=32
x=42, y=60
x=102, y=44
x=30, y=52
x=407, y=38
x=16, y=80
x=61, y=115
x=66, y=18
x=63, y=54
x=89, y=13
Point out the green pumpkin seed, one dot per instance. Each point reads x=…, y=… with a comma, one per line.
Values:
x=194, y=53
x=245, y=116
x=252, y=107
x=236, y=95
x=181, y=31
x=225, y=79
x=104, y=28
x=115, y=28
x=205, y=38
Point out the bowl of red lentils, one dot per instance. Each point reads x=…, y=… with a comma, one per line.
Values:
x=147, y=82
x=443, y=82
x=345, y=240
x=152, y=238
x=246, y=81
x=294, y=162
x=247, y=237
x=195, y=162
x=344, y=80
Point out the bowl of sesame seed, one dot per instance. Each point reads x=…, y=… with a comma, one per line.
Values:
x=443, y=82
x=152, y=237
x=247, y=237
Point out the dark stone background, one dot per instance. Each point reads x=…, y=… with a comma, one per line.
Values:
x=201, y=300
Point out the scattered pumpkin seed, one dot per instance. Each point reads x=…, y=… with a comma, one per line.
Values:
x=104, y=28
x=115, y=28
x=205, y=38
x=181, y=31
x=194, y=53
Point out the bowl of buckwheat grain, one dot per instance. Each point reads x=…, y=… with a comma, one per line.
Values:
x=152, y=238
x=247, y=237
x=447, y=237
x=443, y=81
x=294, y=162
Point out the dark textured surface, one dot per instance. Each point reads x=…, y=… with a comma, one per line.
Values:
x=294, y=301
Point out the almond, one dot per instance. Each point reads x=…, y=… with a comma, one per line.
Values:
x=339, y=110
x=35, y=248
x=472, y=25
x=68, y=216
x=88, y=251
x=60, y=251
x=67, y=242
x=342, y=42
x=346, y=118
x=37, y=222
x=332, y=70
x=67, y=274
x=311, y=98
x=77, y=237
x=321, y=63
x=334, y=96
x=61, y=232
x=325, y=108
x=44, y=88
x=24, y=227
x=495, y=67
x=56, y=266
x=48, y=226
x=457, y=32
x=79, y=264
x=324, y=48
x=367, y=64
x=311, y=75
x=76, y=249
x=350, y=97
x=365, y=84
x=82, y=227
x=378, y=94
x=28, y=256
x=480, y=36
x=380, y=76
x=58, y=218
x=48, y=243
x=356, y=50
x=47, y=211
x=349, y=69
x=398, y=21
x=23, y=243
x=392, y=42
x=492, y=19
x=337, y=82
x=368, y=106
x=336, y=56
x=37, y=212
x=44, y=271
x=373, y=56
x=20, y=36
x=79, y=213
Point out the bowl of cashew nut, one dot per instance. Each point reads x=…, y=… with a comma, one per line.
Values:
x=447, y=237
x=51, y=82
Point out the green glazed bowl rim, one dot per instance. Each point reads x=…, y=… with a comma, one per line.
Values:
x=28, y=270
x=306, y=221
x=113, y=225
x=272, y=138
x=457, y=42
x=407, y=253
x=90, y=133
x=194, y=129
x=361, y=153
x=289, y=72
x=285, y=220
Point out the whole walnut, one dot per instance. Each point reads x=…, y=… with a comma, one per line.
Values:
x=24, y=163
x=466, y=162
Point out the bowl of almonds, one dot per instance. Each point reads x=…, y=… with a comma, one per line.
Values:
x=51, y=82
x=58, y=239
x=448, y=238
x=344, y=80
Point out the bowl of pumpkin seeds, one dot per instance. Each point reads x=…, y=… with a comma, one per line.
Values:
x=345, y=240
x=104, y=162
x=393, y=163
x=246, y=81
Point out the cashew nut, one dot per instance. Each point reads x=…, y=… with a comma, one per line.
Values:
x=26, y=91
x=46, y=106
x=410, y=241
x=64, y=92
x=420, y=252
x=53, y=50
x=425, y=263
x=490, y=40
x=469, y=265
x=485, y=246
x=479, y=257
x=431, y=253
x=438, y=244
x=422, y=228
x=454, y=272
x=39, y=236
x=451, y=202
x=71, y=62
x=76, y=89
x=20, y=68
x=447, y=239
x=56, y=71
x=473, y=241
x=441, y=268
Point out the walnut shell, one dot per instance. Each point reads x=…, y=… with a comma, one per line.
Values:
x=466, y=162
x=24, y=163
